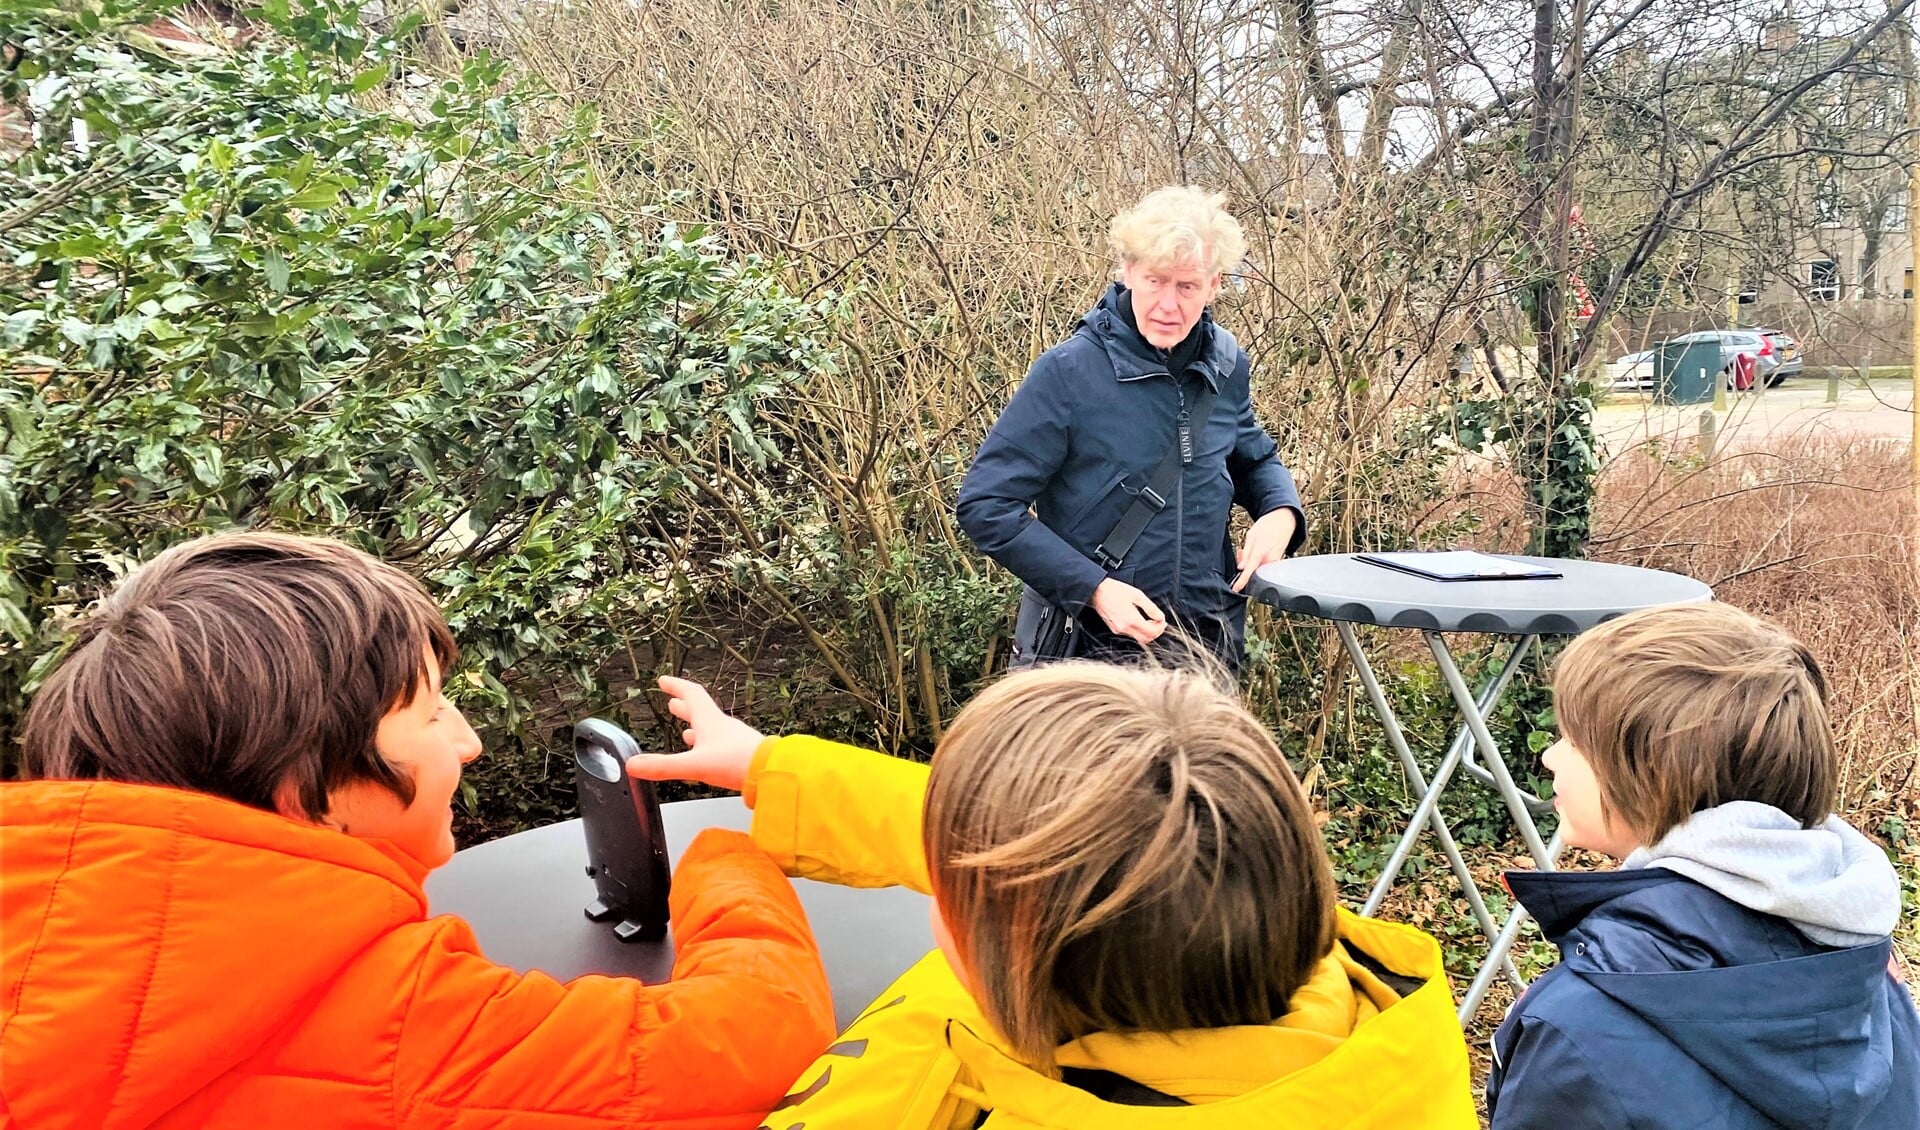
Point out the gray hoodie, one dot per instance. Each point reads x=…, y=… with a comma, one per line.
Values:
x=1832, y=883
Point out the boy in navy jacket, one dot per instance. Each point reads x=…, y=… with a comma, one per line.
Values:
x=1736, y=971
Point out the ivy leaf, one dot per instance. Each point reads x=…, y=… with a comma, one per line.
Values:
x=14, y=622
x=322, y=193
x=275, y=266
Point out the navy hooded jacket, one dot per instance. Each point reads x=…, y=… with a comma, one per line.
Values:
x=1082, y=436
x=1675, y=1008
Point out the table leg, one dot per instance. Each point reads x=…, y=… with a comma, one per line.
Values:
x=1490, y=752
x=1499, y=956
x=1430, y=794
x=1443, y=773
x=1471, y=768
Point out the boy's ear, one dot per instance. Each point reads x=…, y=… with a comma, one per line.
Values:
x=286, y=801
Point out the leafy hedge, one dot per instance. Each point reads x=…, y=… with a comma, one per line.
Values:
x=297, y=285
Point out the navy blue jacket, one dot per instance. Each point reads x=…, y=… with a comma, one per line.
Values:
x=1674, y=1008
x=1083, y=435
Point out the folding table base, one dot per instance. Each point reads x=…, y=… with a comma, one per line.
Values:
x=1472, y=737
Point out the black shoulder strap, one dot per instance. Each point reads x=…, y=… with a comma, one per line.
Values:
x=1112, y=552
x=1111, y=1087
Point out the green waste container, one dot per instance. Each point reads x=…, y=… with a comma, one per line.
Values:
x=1684, y=372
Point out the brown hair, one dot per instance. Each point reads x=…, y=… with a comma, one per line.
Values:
x=1123, y=849
x=1680, y=709
x=237, y=663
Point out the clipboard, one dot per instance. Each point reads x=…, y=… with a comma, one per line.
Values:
x=1460, y=565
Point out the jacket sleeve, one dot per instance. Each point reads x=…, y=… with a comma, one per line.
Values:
x=715, y=1048
x=1261, y=483
x=1020, y=455
x=838, y=814
x=1543, y=1079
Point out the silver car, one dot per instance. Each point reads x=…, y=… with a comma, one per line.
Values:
x=1787, y=349
x=1636, y=370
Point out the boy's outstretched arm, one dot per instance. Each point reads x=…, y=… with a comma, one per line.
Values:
x=822, y=810
x=714, y=1049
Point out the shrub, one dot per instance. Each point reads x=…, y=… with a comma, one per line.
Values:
x=295, y=284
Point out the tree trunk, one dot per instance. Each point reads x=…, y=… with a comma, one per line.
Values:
x=1556, y=451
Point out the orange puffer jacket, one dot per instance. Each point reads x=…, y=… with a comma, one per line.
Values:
x=169, y=959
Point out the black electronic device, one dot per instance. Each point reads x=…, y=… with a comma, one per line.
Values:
x=626, y=843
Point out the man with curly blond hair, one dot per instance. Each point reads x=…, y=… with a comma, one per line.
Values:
x=1107, y=483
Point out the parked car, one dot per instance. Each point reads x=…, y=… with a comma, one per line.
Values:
x=1635, y=370
x=1766, y=347
x=1787, y=348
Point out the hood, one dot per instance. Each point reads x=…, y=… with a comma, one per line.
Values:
x=1208, y=1065
x=1352, y=1051
x=1135, y=358
x=1806, y=1040
x=151, y=939
x=1832, y=883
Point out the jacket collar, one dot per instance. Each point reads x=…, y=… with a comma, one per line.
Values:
x=1344, y=1024
x=1560, y=900
x=1209, y=1064
x=1134, y=358
x=191, y=815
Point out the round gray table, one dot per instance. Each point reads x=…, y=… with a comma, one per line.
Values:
x=1348, y=591
x=525, y=897
x=1339, y=586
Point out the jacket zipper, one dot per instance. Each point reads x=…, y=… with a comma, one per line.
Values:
x=1180, y=495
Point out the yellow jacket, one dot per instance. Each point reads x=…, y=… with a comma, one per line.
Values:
x=1351, y=1051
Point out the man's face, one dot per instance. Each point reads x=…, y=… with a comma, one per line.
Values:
x=1168, y=300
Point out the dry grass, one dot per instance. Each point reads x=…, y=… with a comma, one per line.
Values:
x=1817, y=536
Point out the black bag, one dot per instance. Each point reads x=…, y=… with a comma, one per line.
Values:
x=1042, y=631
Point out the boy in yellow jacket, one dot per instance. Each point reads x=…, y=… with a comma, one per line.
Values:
x=1136, y=920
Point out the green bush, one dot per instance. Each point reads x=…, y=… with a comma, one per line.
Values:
x=298, y=285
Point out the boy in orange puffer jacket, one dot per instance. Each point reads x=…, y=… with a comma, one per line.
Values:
x=211, y=912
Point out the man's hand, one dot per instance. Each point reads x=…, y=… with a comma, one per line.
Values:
x=720, y=747
x=1128, y=611
x=1266, y=543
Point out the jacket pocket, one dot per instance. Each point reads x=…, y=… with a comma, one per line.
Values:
x=1100, y=496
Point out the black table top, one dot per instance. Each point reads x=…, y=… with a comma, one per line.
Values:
x=525, y=896
x=1338, y=586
